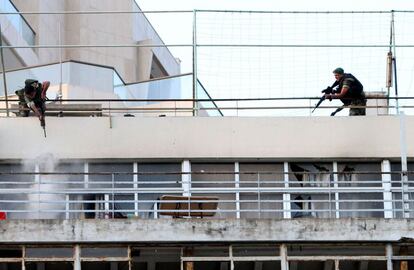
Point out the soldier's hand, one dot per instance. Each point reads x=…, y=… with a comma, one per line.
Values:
x=328, y=90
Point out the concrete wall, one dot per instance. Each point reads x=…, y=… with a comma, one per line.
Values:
x=206, y=138
x=182, y=230
x=101, y=29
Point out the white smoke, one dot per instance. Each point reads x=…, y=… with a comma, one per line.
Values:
x=45, y=202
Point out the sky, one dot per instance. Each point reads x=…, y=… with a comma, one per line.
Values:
x=269, y=72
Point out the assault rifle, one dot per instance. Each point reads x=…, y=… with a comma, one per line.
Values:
x=328, y=90
x=43, y=124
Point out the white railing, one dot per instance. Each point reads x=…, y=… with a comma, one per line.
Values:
x=258, y=195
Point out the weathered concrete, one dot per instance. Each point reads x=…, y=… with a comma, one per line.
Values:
x=204, y=230
x=206, y=137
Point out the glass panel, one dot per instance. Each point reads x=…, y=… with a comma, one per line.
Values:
x=10, y=252
x=255, y=250
x=397, y=187
x=261, y=176
x=359, y=203
x=18, y=22
x=49, y=252
x=219, y=178
x=170, y=88
x=311, y=203
x=104, y=252
x=14, y=201
x=154, y=181
x=49, y=265
x=206, y=108
x=10, y=266
x=105, y=179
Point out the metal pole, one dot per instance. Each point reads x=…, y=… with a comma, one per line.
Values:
x=394, y=60
x=60, y=62
x=195, y=63
x=4, y=73
x=404, y=176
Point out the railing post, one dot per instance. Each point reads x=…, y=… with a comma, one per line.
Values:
x=195, y=111
x=135, y=180
x=386, y=185
x=237, y=186
x=336, y=186
x=258, y=196
x=286, y=196
x=4, y=73
x=186, y=182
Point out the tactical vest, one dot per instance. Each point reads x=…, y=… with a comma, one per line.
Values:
x=356, y=90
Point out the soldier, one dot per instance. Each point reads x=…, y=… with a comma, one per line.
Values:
x=350, y=91
x=33, y=96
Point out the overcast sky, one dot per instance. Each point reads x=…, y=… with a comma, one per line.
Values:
x=322, y=5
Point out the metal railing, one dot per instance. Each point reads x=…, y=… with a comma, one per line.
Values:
x=67, y=195
x=205, y=37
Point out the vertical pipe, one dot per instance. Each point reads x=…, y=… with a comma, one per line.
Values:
x=195, y=112
x=394, y=60
x=404, y=176
x=60, y=60
x=4, y=73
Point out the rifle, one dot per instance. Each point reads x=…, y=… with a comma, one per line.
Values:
x=43, y=124
x=328, y=90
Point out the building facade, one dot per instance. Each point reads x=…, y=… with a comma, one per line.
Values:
x=111, y=189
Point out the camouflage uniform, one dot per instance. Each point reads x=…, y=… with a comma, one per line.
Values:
x=25, y=102
x=357, y=111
